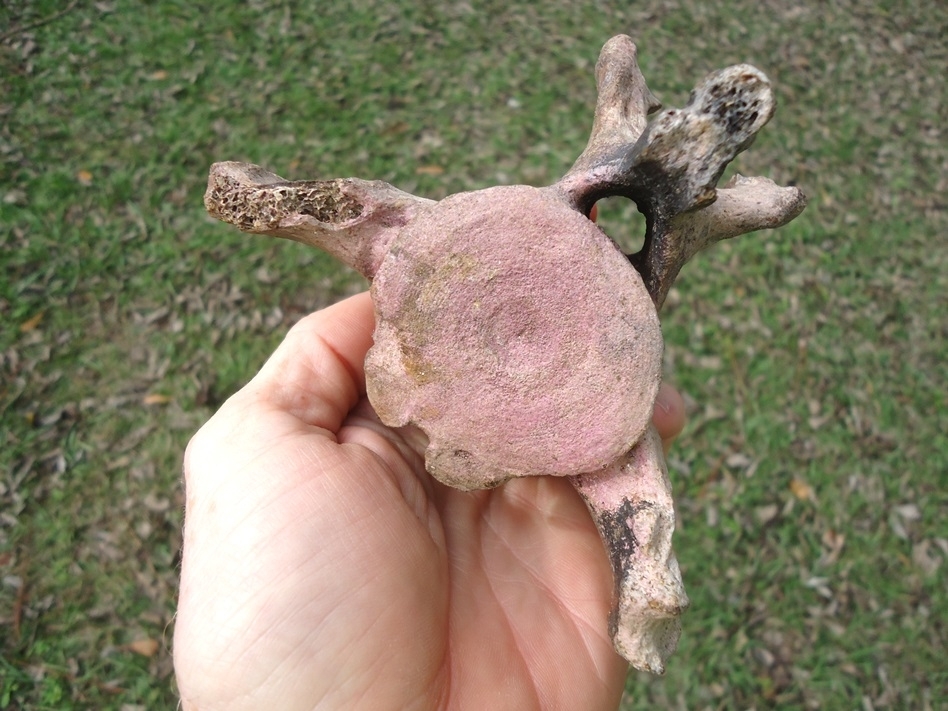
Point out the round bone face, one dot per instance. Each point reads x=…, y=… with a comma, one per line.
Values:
x=515, y=333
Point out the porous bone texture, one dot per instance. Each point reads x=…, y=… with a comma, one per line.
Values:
x=354, y=220
x=514, y=332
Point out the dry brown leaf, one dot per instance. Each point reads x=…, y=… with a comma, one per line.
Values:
x=910, y=512
x=156, y=399
x=766, y=514
x=833, y=542
x=802, y=490
x=119, y=463
x=738, y=460
x=32, y=322
x=926, y=557
x=395, y=128
x=159, y=75
x=429, y=170
x=145, y=647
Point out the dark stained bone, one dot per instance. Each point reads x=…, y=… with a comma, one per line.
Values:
x=671, y=167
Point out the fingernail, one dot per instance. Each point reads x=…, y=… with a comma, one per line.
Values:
x=661, y=402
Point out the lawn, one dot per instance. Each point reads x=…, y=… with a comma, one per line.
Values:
x=812, y=479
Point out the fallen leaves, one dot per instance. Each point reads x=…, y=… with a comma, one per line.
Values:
x=801, y=490
x=902, y=520
x=32, y=323
x=833, y=543
x=766, y=514
x=925, y=556
x=146, y=647
x=156, y=399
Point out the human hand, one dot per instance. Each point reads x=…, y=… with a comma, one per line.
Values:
x=324, y=568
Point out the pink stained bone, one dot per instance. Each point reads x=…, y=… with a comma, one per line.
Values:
x=512, y=331
x=497, y=349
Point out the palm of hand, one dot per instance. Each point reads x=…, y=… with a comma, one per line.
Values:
x=323, y=568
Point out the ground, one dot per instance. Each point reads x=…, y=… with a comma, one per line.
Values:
x=811, y=480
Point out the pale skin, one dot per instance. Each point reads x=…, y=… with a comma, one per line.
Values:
x=325, y=569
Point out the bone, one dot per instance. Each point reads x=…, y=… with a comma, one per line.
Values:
x=631, y=503
x=743, y=205
x=671, y=167
x=622, y=107
x=470, y=291
x=354, y=220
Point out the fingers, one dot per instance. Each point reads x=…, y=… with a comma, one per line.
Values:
x=669, y=414
x=317, y=374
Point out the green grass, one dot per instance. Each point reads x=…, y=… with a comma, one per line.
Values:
x=811, y=481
